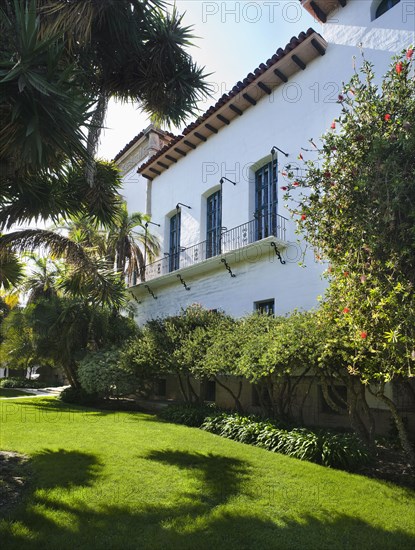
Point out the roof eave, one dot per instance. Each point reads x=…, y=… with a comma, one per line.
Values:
x=320, y=9
x=242, y=97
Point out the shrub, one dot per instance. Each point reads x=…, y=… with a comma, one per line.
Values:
x=19, y=383
x=336, y=450
x=78, y=396
x=100, y=373
x=344, y=451
x=188, y=414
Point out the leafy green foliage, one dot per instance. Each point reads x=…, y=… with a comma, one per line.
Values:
x=189, y=414
x=174, y=345
x=42, y=108
x=60, y=331
x=11, y=269
x=357, y=207
x=345, y=451
x=13, y=382
x=77, y=396
x=99, y=373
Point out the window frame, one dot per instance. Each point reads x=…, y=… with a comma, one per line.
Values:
x=174, y=241
x=213, y=230
x=266, y=200
x=258, y=306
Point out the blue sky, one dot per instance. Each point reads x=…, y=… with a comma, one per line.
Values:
x=234, y=37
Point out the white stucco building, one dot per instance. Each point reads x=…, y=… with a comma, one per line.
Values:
x=227, y=239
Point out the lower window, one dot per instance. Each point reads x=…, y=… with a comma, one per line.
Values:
x=161, y=387
x=209, y=390
x=265, y=306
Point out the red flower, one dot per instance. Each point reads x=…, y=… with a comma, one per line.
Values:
x=363, y=334
x=303, y=217
x=346, y=310
x=283, y=173
x=284, y=188
x=300, y=156
x=327, y=174
x=333, y=125
x=296, y=184
x=387, y=116
x=346, y=273
x=399, y=67
x=409, y=53
x=341, y=97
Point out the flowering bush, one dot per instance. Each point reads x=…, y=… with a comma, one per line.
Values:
x=359, y=211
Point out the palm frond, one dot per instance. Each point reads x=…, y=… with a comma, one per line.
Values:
x=43, y=110
x=11, y=268
x=88, y=277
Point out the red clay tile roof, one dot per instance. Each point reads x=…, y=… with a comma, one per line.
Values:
x=236, y=90
x=139, y=136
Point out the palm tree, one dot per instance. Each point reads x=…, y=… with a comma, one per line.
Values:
x=88, y=277
x=43, y=279
x=60, y=62
x=60, y=59
x=128, y=247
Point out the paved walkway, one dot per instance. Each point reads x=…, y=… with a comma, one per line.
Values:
x=34, y=392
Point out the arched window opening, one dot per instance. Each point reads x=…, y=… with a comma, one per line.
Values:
x=384, y=6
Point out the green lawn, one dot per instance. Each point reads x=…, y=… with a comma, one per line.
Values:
x=110, y=480
x=6, y=392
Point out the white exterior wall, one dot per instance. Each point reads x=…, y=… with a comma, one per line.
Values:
x=293, y=113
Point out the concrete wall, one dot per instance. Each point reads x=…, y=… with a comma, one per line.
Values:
x=313, y=413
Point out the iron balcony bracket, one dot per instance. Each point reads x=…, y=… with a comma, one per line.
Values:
x=150, y=292
x=183, y=282
x=278, y=253
x=228, y=267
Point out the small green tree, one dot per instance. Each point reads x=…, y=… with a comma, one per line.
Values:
x=100, y=373
x=18, y=350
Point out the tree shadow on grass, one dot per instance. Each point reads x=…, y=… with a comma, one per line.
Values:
x=90, y=520
x=191, y=527
x=63, y=468
x=53, y=516
x=219, y=476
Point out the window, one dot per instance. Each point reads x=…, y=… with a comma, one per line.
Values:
x=255, y=401
x=265, y=306
x=161, y=387
x=266, y=201
x=384, y=6
x=214, y=224
x=209, y=390
x=174, y=250
x=341, y=391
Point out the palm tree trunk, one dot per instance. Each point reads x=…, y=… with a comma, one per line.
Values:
x=94, y=132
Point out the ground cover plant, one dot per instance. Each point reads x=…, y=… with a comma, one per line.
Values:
x=338, y=450
x=105, y=479
x=19, y=383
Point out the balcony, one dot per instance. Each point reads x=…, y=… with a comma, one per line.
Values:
x=265, y=227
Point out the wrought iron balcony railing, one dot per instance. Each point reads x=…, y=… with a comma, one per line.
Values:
x=224, y=241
